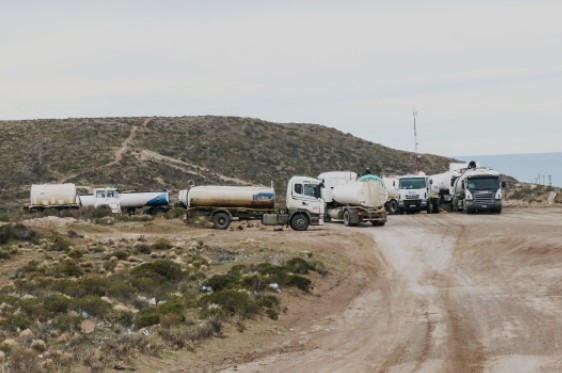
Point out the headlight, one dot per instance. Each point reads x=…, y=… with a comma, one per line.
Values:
x=468, y=195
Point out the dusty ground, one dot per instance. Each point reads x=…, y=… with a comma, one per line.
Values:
x=430, y=293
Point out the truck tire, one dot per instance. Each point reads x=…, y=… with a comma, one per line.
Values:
x=221, y=220
x=392, y=207
x=346, y=220
x=299, y=222
x=436, y=206
x=429, y=208
x=350, y=218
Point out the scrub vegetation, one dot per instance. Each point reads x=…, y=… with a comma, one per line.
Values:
x=71, y=301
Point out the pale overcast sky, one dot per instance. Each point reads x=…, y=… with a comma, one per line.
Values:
x=484, y=76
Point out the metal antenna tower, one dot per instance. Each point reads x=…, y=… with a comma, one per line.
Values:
x=416, y=143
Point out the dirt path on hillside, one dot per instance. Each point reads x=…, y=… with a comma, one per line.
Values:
x=190, y=168
x=118, y=156
x=445, y=293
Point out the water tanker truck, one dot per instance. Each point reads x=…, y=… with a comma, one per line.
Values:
x=416, y=194
x=478, y=189
x=52, y=196
x=351, y=200
x=149, y=202
x=223, y=204
x=393, y=195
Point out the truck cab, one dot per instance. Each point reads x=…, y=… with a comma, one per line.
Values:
x=304, y=203
x=412, y=193
x=103, y=197
x=478, y=189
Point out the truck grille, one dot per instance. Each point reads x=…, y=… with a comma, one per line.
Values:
x=412, y=196
x=484, y=197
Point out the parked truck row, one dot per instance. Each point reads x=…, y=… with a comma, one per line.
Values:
x=465, y=187
x=220, y=204
x=335, y=195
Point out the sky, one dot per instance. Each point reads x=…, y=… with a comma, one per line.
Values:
x=485, y=77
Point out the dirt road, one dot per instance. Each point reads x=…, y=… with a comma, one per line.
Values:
x=445, y=293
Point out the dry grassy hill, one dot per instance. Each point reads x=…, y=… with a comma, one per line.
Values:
x=157, y=153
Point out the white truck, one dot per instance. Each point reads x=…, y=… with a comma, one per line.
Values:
x=152, y=203
x=52, y=196
x=416, y=194
x=393, y=195
x=223, y=204
x=477, y=189
x=351, y=200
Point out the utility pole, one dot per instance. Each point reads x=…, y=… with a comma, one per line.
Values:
x=416, y=143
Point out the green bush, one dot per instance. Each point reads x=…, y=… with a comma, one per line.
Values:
x=121, y=291
x=151, y=315
x=68, y=268
x=60, y=243
x=161, y=244
x=57, y=304
x=299, y=266
x=231, y=302
x=94, y=306
x=17, y=232
x=159, y=270
x=220, y=282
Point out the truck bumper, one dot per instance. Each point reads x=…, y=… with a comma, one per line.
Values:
x=495, y=205
x=412, y=205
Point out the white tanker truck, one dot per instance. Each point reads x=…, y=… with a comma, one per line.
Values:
x=468, y=187
x=352, y=200
x=56, y=196
x=222, y=204
x=152, y=203
x=478, y=189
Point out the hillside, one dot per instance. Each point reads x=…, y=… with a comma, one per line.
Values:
x=158, y=153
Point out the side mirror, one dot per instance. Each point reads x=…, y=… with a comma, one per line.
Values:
x=394, y=183
x=462, y=184
x=430, y=181
x=503, y=184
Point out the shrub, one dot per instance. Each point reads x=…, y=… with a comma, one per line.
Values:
x=17, y=232
x=151, y=315
x=95, y=213
x=299, y=266
x=67, y=268
x=60, y=244
x=162, y=244
x=121, y=291
x=4, y=254
x=143, y=249
x=121, y=255
x=66, y=322
x=57, y=304
x=300, y=282
x=220, y=282
x=174, y=213
x=231, y=302
x=159, y=270
x=94, y=306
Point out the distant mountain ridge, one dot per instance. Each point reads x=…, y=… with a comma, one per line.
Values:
x=536, y=168
x=168, y=152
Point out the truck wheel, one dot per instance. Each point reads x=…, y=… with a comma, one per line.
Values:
x=392, y=207
x=499, y=210
x=299, y=222
x=436, y=207
x=346, y=218
x=429, y=209
x=221, y=220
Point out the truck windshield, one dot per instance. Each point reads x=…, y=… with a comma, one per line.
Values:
x=413, y=183
x=487, y=183
x=311, y=190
